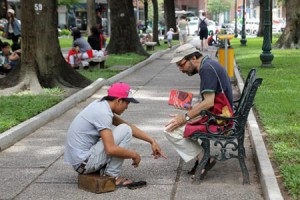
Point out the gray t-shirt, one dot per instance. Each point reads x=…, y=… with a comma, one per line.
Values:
x=83, y=132
x=83, y=44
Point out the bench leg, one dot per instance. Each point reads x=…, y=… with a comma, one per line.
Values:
x=201, y=165
x=101, y=65
x=150, y=48
x=241, y=157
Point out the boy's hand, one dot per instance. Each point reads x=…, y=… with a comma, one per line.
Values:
x=136, y=160
x=157, y=152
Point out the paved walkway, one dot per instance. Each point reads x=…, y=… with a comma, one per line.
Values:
x=33, y=168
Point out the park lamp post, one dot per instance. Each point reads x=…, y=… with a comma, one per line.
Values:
x=266, y=56
x=243, y=40
x=235, y=20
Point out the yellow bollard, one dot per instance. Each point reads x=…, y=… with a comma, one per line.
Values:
x=226, y=54
x=230, y=60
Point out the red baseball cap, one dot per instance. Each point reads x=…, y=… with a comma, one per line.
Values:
x=121, y=90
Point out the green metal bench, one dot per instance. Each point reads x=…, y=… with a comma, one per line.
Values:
x=232, y=136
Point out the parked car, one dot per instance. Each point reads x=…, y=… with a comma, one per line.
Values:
x=278, y=25
x=188, y=14
x=251, y=26
x=228, y=28
x=193, y=27
x=211, y=26
x=194, y=18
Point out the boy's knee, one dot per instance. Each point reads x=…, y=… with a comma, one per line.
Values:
x=126, y=129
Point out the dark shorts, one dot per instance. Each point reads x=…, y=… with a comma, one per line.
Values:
x=203, y=34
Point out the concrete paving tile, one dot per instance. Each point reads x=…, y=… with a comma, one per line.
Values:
x=154, y=171
x=44, y=138
x=59, y=172
x=13, y=181
x=30, y=156
x=208, y=191
x=144, y=149
x=41, y=191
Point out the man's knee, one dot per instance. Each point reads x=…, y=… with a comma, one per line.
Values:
x=125, y=129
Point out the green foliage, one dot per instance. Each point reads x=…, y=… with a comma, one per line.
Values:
x=67, y=2
x=280, y=2
x=64, y=32
x=160, y=4
x=216, y=7
x=277, y=104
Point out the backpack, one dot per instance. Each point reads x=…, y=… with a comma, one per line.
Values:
x=202, y=24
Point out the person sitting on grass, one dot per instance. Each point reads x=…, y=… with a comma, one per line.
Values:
x=8, y=59
x=211, y=41
x=98, y=138
x=75, y=59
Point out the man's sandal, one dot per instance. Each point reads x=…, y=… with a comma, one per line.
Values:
x=209, y=165
x=136, y=185
x=193, y=170
x=124, y=182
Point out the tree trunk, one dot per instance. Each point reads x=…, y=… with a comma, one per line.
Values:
x=291, y=34
x=42, y=63
x=91, y=15
x=155, y=22
x=170, y=20
x=124, y=37
x=3, y=8
x=146, y=14
x=260, y=32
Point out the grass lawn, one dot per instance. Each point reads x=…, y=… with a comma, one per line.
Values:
x=18, y=108
x=276, y=103
x=129, y=59
x=65, y=42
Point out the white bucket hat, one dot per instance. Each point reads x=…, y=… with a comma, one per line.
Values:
x=11, y=11
x=183, y=51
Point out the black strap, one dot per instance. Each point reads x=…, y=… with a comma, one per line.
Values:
x=81, y=168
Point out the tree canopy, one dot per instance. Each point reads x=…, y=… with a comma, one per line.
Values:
x=67, y=2
x=216, y=7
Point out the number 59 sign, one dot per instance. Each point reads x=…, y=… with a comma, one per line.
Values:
x=38, y=7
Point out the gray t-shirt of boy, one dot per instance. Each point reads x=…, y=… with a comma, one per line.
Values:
x=83, y=132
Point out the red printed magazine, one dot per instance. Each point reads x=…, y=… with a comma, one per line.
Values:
x=180, y=98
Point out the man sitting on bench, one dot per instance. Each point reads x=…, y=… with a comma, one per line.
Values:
x=214, y=84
